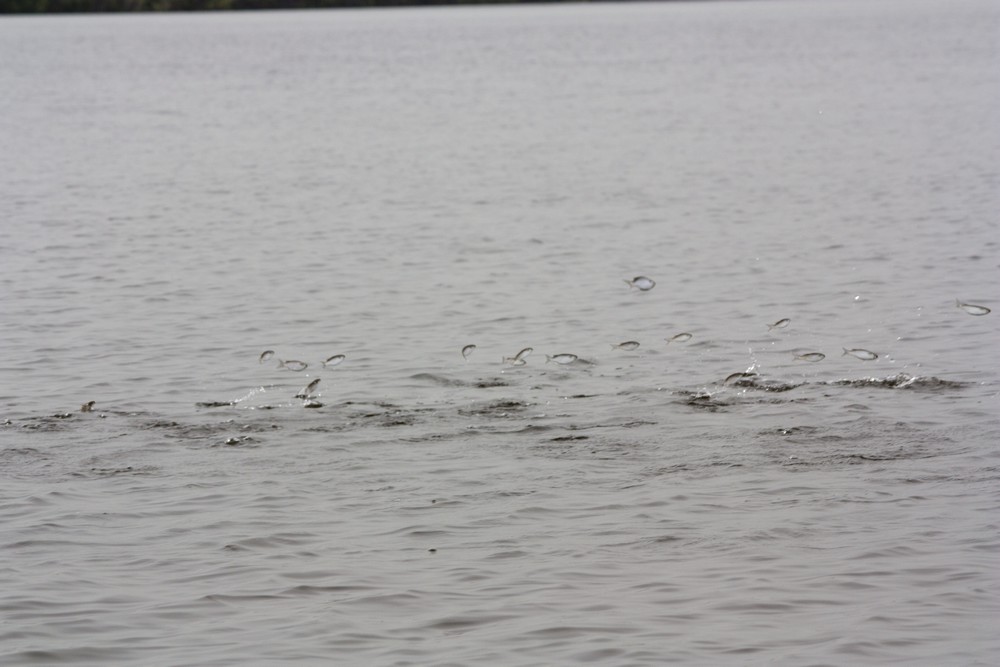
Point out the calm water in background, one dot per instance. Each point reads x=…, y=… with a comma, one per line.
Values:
x=183, y=192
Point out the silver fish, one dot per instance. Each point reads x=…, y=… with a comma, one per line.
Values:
x=811, y=356
x=518, y=359
x=265, y=355
x=627, y=345
x=335, y=360
x=972, y=309
x=863, y=355
x=642, y=283
x=467, y=350
x=736, y=377
x=679, y=338
x=293, y=365
x=307, y=392
x=88, y=406
x=780, y=324
x=561, y=358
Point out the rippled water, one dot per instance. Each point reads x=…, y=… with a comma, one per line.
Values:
x=184, y=192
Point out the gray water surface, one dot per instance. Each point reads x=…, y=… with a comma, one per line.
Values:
x=183, y=192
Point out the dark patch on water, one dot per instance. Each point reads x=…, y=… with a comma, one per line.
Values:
x=773, y=385
x=47, y=424
x=499, y=408
x=485, y=383
x=721, y=401
x=763, y=384
x=445, y=381
x=161, y=423
x=114, y=472
x=215, y=404
x=440, y=380
x=398, y=420
x=705, y=402
x=636, y=423
x=389, y=418
x=902, y=381
x=530, y=428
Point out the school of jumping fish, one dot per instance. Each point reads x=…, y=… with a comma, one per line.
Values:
x=642, y=283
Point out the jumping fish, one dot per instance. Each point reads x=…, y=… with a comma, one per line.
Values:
x=308, y=390
x=518, y=359
x=467, y=350
x=561, y=358
x=780, y=324
x=811, y=356
x=679, y=338
x=627, y=345
x=642, y=283
x=265, y=355
x=335, y=360
x=88, y=406
x=972, y=309
x=736, y=377
x=863, y=355
x=293, y=365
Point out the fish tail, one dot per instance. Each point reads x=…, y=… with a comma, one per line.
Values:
x=629, y=283
x=846, y=352
x=547, y=358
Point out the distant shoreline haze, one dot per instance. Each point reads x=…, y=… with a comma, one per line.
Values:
x=86, y=6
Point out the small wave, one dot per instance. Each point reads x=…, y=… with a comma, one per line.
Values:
x=214, y=404
x=763, y=384
x=445, y=381
x=501, y=408
x=112, y=472
x=440, y=380
x=902, y=381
